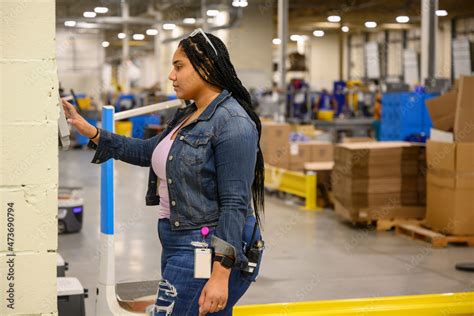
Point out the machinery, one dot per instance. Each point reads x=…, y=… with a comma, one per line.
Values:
x=70, y=210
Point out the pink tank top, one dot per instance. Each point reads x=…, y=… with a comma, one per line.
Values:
x=158, y=163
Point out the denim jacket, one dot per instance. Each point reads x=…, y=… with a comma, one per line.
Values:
x=210, y=170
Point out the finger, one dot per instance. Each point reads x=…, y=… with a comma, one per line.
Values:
x=68, y=107
x=213, y=308
x=202, y=297
x=206, y=306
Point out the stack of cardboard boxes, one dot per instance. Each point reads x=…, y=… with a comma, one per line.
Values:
x=450, y=157
x=379, y=180
x=278, y=151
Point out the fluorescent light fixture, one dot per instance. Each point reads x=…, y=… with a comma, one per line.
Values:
x=169, y=26
x=138, y=37
x=89, y=14
x=212, y=12
x=105, y=44
x=370, y=24
x=345, y=29
x=189, y=20
x=121, y=35
x=318, y=33
x=70, y=23
x=276, y=41
x=402, y=19
x=334, y=18
x=101, y=10
x=295, y=37
x=152, y=32
x=441, y=12
x=240, y=3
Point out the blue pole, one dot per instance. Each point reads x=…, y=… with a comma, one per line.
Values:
x=107, y=180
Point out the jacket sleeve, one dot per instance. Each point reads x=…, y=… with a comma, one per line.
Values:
x=130, y=150
x=235, y=153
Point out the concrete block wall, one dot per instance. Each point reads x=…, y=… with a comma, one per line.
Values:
x=29, y=112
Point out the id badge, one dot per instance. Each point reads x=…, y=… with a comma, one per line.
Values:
x=202, y=263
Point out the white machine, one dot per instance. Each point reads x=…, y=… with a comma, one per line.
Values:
x=108, y=303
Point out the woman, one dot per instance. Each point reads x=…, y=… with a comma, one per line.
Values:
x=206, y=168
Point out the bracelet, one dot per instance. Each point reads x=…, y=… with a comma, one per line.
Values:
x=96, y=134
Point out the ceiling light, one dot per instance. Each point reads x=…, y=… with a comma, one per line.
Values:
x=370, y=24
x=89, y=14
x=402, y=19
x=121, y=35
x=212, y=12
x=345, y=29
x=318, y=33
x=152, y=32
x=138, y=37
x=169, y=26
x=101, y=10
x=441, y=12
x=105, y=44
x=334, y=18
x=70, y=23
x=295, y=37
x=240, y=3
x=189, y=20
x=276, y=41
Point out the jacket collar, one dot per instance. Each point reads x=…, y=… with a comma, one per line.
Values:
x=211, y=108
x=208, y=112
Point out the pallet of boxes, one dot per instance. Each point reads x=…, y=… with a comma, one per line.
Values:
x=280, y=152
x=291, y=147
x=450, y=177
x=379, y=183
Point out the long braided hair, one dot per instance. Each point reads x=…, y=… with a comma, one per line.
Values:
x=219, y=71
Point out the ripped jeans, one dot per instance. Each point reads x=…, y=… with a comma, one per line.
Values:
x=179, y=291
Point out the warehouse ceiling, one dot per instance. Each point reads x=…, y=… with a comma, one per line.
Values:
x=304, y=15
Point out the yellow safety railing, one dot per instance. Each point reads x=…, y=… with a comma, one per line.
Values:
x=297, y=183
x=415, y=305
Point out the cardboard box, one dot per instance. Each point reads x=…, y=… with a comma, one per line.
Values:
x=28, y=283
x=442, y=110
x=357, y=140
x=312, y=151
x=450, y=187
x=272, y=131
x=277, y=155
x=375, y=153
x=464, y=119
x=450, y=157
x=454, y=110
x=450, y=204
x=274, y=144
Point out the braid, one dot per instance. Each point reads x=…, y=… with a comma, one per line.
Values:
x=219, y=71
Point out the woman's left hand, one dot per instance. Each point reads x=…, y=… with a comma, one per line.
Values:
x=215, y=293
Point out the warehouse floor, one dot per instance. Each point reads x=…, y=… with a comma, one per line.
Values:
x=309, y=255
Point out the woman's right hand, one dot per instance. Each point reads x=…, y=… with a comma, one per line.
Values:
x=76, y=120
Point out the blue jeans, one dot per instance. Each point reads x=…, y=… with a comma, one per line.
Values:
x=179, y=291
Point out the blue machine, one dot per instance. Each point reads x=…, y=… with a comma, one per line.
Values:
x=405, y=116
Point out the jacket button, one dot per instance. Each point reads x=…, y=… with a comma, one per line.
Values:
x=181, y=138
x=170, y=158
x=173, y=203
x=170, y=181
x=176, y=224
